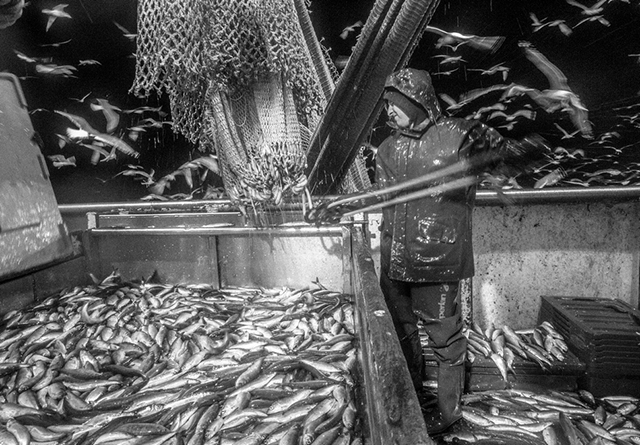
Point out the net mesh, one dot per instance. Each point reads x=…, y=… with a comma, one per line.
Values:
x=241, y=83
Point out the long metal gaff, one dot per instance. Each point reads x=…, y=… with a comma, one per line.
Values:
x=451, y=170
x=441, y=188
x=458, y=167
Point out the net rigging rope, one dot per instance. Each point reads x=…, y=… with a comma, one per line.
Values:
x=241, y=84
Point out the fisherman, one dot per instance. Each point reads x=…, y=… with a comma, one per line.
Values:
x=425, y=245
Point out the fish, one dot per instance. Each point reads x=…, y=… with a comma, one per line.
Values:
x=509, y=358
x=475, y=418
x=593, y=430
x=142, y=429
x=12, y=410
x=480, y=345
x=550, y=436
x=124, y=369
x=7, y=438
x=43, y=434
x=537, y=356
x=285, y=403
x=511, y=429
x=327, y=437
x=292, y=435
x=250, y=373
x=20, y=432
x=199, y=431
x=497, y=345
x=501, y=365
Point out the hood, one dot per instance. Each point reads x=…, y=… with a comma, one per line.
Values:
x=417, y=86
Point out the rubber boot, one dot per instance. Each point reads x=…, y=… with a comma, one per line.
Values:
x=449, y=348
x=412, y=350
x=450, y=389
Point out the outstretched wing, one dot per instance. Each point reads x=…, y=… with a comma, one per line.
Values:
x=78, y=121
x=557, y=79
x=118, y=143
x=473, y=100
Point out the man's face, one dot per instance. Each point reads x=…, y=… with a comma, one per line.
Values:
x=396, y=114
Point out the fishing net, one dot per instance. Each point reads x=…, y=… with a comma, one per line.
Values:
x=241, y=83
x=261, y=145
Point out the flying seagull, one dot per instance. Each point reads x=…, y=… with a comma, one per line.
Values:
x=55, y=13
x=455, y=39
x=559, y=95
x=86, y=132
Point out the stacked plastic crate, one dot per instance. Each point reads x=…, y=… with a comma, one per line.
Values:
x=605, y=335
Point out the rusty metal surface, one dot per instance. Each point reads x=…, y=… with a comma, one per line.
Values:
x=31, y=229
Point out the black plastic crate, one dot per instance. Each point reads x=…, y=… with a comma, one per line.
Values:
x=603, y=333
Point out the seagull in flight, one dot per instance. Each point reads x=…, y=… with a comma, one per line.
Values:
x=55, y=13
x=125, y=32
x=559, y=96
x=85, y=132
x=449, y=59
x=60, y=161
x=499, y=68
x=565, y=133
x=110, y=113
x=589, y=10
x=455, y=39
x=594, y=18
x=537, y=24
x=351, y=29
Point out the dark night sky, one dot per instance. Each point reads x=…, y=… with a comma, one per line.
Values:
x=595, y=58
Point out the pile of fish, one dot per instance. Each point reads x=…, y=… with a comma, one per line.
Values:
x=542, y=344
x=517, y=417
x=124, y=363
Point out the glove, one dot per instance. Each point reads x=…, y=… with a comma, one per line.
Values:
x=531, y=148
x=522, y=155
x=322, y=214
